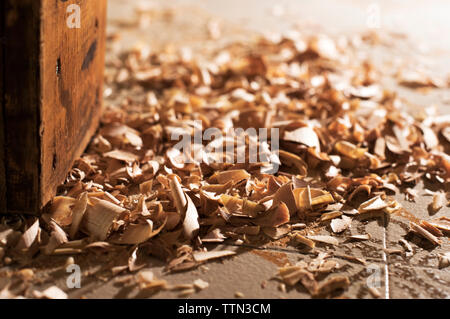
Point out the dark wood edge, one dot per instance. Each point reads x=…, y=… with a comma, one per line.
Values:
x=21, y=105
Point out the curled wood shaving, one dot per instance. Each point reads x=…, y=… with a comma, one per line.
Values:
x=139, y=233
x=60, y=210
x=186, y=209
x=338, y=225
x=439, y=201
x=78, y=211
x=57, y=237
x=99, y=218
x=274, y=217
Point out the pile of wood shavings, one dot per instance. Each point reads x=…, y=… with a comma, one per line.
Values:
x=346, y=144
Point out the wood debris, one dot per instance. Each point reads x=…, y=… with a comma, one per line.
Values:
x=332, y=284
x=338, y=225
x=201, y=284
x=325, y=239
x=424, y=233
x=52, y=292
x=202, y=256
x=439, y=201
x=344, y=142
x=444, y=260
x=360, y=237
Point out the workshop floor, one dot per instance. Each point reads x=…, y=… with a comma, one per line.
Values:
x=251, y=273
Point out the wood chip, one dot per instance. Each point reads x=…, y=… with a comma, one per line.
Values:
x=29, y=236
x=338, y=225
x=360, y=237
x=375, y=203
x=99, y=218
x=439, y=201
x=274, y=217
x=78, y=211
x=424, y=233
x=186, y=209
x=201, y=256
x=374, y=292
x=122, y=156
x=325, y=239
x=444, y=260
x=332, y=284
x=52, y=292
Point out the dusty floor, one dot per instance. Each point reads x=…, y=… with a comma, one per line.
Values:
x=252, y=271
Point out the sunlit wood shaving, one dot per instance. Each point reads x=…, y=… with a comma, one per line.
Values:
x=78, y=211
x=338, y=225
x=324, y=239
x=360, y=237
x=444, y=260
x=439, y=201
x=52, y=292
x=332, y=284
x=201, y=284
x=201, y=256
x=99, y=218
x=29, y=236
x=306, y=241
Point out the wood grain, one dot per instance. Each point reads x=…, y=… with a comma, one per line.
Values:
x=52, y=95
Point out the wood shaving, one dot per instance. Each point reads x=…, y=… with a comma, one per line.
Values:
x=374, y=292
x=202, y=256
x=186, y=292
x=424, y=233
x=439, y=201
x=344, y=141
x=332, y=284
x=306, y=241
x=239, y=294
x=201, y=284
x=444, y=260
x=52, y=292
x=360, y=237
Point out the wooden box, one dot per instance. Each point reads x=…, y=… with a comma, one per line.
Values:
x=52, y=60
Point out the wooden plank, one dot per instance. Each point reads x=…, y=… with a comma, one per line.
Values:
x=71, y=96
x=52, y=95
